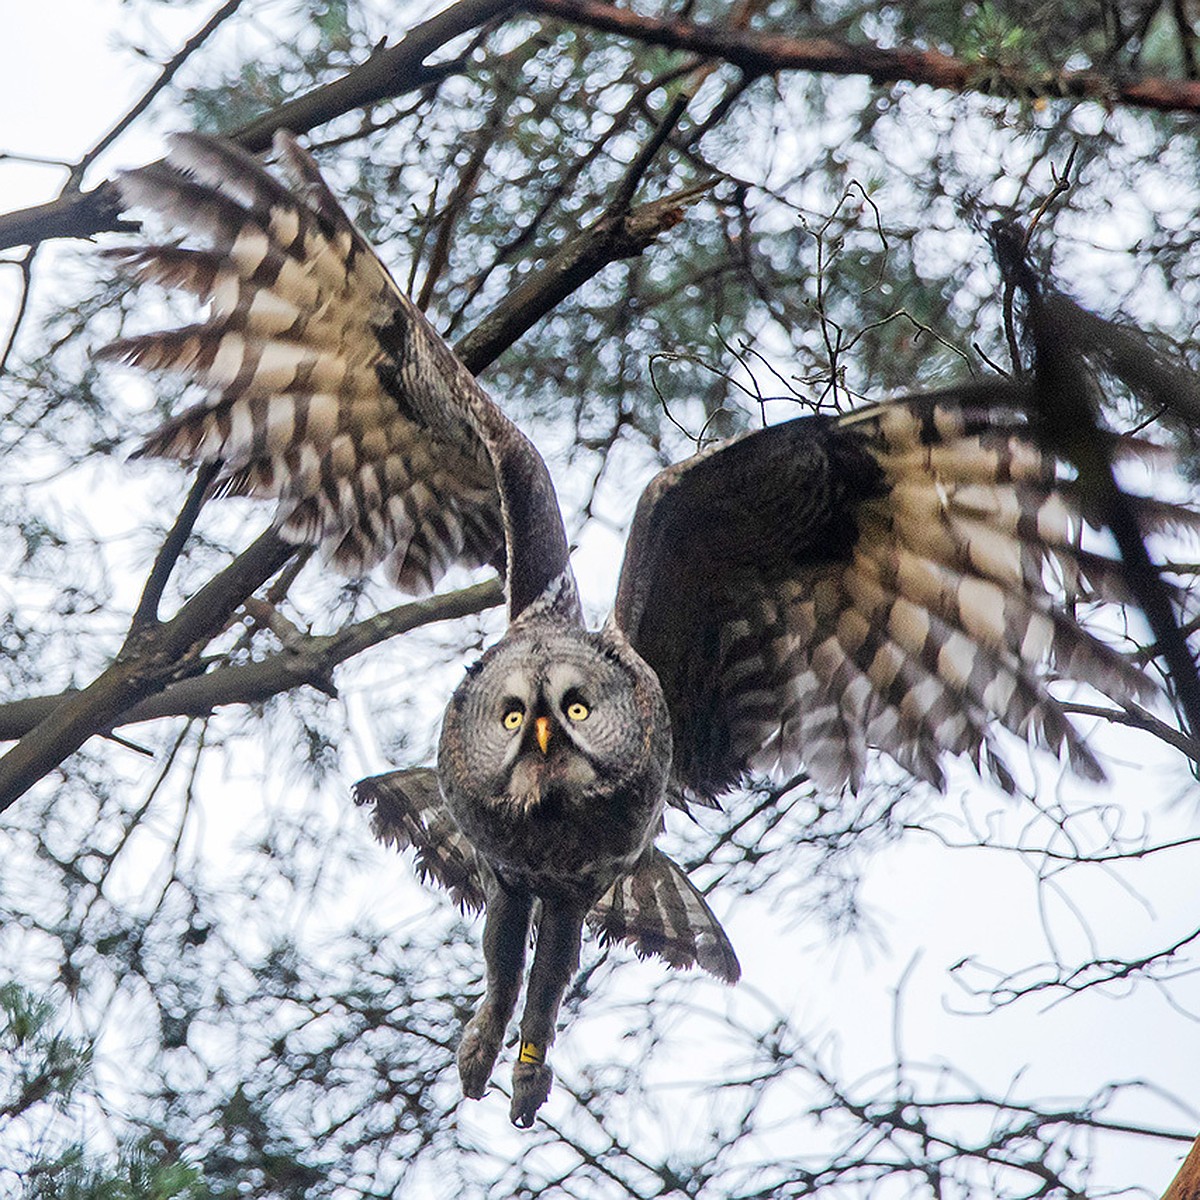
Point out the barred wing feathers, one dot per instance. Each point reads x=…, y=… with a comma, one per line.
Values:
x=656, y=909
x=328, y=389
x=407, y=810
x=892, y=579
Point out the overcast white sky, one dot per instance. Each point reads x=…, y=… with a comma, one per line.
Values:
x=63, y=84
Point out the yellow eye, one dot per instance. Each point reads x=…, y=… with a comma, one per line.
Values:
x=577, y=711
x=514, y=718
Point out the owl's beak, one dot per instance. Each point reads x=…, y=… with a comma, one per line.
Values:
x=541, y=729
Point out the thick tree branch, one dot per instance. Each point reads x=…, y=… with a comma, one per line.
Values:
x=145, y=665
x=611, y=237
x=390, y=71
x=1186, y=1185
x=759, y=53
x=78, y=215
x=311, y=660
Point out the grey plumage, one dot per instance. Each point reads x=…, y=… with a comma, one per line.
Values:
x=654, y=907
x=892, y=579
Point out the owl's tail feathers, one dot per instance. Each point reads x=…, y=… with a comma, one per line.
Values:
x=409, y=811
x=658, y=910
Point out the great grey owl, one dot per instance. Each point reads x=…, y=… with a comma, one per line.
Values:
x=790, y=599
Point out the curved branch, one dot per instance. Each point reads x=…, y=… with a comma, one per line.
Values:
x=760, y=53
x=309, y=660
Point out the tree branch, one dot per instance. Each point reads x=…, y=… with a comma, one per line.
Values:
x=146, y=612
x=144, y=666
x=310, y=660
x=169, y=71
x=1186, y=1185
x=760, y=53
x=390, y=71
x=611, y=237
x=78, y=215
x=1136, y=717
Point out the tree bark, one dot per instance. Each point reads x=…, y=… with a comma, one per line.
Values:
x=1186, y=1185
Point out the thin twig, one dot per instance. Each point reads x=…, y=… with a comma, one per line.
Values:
x=25, y=265
x=169, y=71
x=146, y=612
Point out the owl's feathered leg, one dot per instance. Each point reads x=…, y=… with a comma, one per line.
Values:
x=505, y=932
x=554, y=963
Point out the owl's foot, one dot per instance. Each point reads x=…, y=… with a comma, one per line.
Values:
x=477, y=1056
x=531, y=1086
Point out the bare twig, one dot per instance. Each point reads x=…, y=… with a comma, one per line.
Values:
x=485, y=139
x=623, y=193
x=169, y=71
x=146, y=612
x=1062, y=185
x=1136, y=717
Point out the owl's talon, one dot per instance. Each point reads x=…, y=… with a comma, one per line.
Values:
x=531, y=1087
x=477, y=1054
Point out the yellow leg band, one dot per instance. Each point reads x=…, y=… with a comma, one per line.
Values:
x=531, y=1052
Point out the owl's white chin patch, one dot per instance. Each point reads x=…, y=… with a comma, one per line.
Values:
x=524, y=791
x=533, y=777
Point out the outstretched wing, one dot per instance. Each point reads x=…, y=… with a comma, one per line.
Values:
x=328, y=389
x=408, y=811
x=656, y=909
x=892, y=579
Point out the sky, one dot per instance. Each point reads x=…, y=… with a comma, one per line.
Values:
x=64, y=81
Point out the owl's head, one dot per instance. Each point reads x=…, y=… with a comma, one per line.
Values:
x=556, y=718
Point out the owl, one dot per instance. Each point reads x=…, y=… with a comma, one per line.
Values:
x=889, y=580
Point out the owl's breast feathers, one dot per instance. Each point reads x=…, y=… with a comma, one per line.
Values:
x=560, y=826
